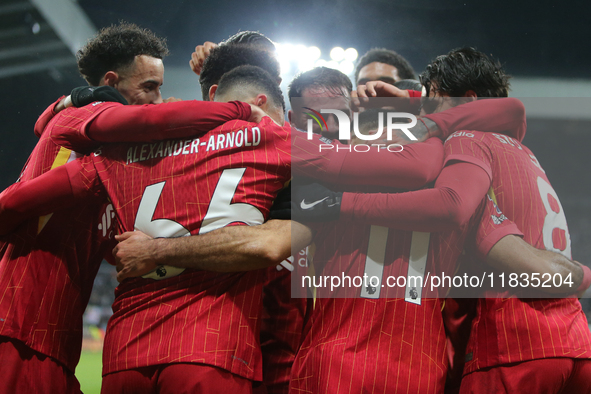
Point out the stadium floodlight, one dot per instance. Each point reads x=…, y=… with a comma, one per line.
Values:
x=332, y=64
x=300, y=58
x=337, y=54
x=305, y=64
x=300, y=52
x=306, y=57
x=346, y=67
x=284, y=52
x=314, y=52
x=351, y=54
x=285, y=66
x=320, y=63
x=284, y=56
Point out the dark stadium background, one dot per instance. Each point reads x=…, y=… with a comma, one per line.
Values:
x=543, y=45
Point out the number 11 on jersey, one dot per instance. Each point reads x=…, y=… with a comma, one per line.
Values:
x=374, y=265
x=417, y=262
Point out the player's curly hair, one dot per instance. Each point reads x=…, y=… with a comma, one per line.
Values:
x=329, y=78
x=227, y=57
x=465, y=69
x=386, y=56
x=115, y=48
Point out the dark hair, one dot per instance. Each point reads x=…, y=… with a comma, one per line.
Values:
x=386, y=56
x=251, y=76
x=251, y=38
x=115, y=48
x=465, y=69
x=319, y=77
x=227, y=57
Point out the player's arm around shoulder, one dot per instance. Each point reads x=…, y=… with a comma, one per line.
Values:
x=512, y=254
x=47, y=115
x=39, y=196
x=229, y=249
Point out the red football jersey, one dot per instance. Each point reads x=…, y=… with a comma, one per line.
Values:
x=48, y=265
x=390, y=337
x=504, y=115
x=180, y=187
x=508, y=330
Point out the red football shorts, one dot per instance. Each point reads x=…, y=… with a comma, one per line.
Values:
x=23, y=370
x=178, y=378
x=545, y=376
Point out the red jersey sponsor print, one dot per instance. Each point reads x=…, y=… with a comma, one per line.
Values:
x=48, y=265
x=507, y=330
x=389, y=338
x=175, y=188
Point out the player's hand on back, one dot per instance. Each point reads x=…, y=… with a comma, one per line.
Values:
x=171, y=100
x=281, y=208
x=133, y=255
x=198, y=57
x=314, y=202
x=84, y=95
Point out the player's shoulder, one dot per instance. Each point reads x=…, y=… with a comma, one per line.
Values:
x=501, y=141
x=90, y=108
x=463, y=134
x=487, y=141
x=81, y=115
x=474, y=136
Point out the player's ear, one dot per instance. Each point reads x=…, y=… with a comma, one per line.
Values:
x=471, y=95
x=212, y=91
x=111, y=78
x=260, y=100
x=290, y=116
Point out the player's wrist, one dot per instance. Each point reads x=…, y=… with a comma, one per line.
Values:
x=154, y=252
x=62, y=104
x=68, y=101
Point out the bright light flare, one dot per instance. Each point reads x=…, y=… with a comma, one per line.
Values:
x=301, y=58
x=320, y=63
x=284, y=52
x=285, y=66
x=337, y=54
x=332, y=64
x=306, y=64
x=351, y=54
x=346, y=67
x=300, y=52
x=314, y=52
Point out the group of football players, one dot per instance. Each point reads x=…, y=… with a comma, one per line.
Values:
x=198, y=204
